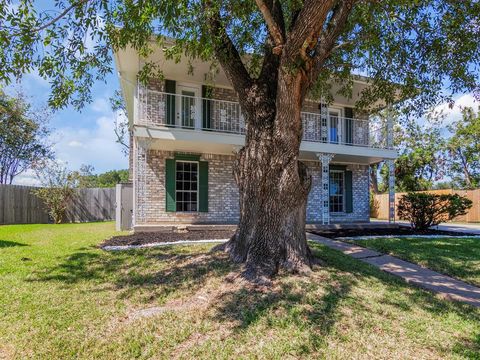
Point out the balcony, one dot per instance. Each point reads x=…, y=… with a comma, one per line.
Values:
x=164, y=110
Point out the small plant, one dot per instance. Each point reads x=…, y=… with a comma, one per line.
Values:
x=374, y=206
x=59, y=188
x=424, y=210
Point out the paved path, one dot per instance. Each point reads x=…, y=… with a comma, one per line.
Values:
x=443, y=285
x=470, y=228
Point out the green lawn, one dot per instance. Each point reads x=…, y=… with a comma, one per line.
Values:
x=62, y=298
x=458, y=257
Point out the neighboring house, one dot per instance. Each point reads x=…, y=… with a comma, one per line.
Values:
x=186, y=131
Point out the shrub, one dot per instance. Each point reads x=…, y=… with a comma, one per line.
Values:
x=374, y=206
x=59, y=187
x=424, y=210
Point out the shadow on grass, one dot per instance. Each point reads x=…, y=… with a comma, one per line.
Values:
x=149, y=275
x=8, y=243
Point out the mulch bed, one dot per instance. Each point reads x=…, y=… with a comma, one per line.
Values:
x=402, y=230
x=162, y=237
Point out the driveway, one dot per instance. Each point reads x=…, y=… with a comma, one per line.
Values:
x=469, y=228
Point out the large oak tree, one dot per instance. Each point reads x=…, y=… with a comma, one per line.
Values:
x=274, y=52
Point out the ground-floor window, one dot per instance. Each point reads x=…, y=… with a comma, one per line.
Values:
x=186, y=186
x=337, y=191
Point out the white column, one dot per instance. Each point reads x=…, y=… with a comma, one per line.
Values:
x=323, y=121
x=391, y=190
x=139, y=181
x=325, y=159
x=390, y=132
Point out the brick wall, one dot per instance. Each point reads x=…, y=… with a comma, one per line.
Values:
x=223, y=192
x=360, y=194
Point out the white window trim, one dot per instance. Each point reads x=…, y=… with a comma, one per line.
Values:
x=197, y=89
x=198, y=186
x=343, y=194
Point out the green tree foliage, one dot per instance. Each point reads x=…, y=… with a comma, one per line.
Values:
x=23, y=137
x=418, y=44
x=421, y=159
x=87, y=178
x=464, y=150
x=58, y=189
x=424, y=210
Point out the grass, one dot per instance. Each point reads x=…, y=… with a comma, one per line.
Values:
x=61, y=297
x=458, y=257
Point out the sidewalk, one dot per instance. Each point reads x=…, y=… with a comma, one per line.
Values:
x=445, y=286
x=469, y=228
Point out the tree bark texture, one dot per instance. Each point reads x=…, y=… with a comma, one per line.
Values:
x=273, y=183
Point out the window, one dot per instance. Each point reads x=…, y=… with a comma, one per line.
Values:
x=186, y=186
x=337, y=191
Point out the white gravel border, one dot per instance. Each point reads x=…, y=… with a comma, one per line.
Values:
x=405, y=236
x=158, y=244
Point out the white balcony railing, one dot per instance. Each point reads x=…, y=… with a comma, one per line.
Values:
x=159, y=109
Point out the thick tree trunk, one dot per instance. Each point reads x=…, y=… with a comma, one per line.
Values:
x=273, y=186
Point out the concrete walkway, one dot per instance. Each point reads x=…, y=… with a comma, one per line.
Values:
x=445, y=286
x=468, y=228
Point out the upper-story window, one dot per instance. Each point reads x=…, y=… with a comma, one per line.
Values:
x=186, y=186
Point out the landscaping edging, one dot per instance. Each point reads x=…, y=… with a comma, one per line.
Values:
x=158, y=244
x=369, y=237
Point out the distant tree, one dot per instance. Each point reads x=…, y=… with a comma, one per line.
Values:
x=422, y=158
x=58, y=188
x=24, y=135
x=442, y=185
x=121, y=129
x=464, y=150
x=87, y=178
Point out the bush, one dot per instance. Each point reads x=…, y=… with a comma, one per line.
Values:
x=59, y=188
x=374, y=206
x=424, y=210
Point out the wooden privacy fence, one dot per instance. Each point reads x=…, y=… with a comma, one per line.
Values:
x=19, y=206
x=473, y=215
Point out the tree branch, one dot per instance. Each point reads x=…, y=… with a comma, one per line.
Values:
x=56, y=18
x=276, y=32
x=271, y=60
x=307, y=27
x=226, y=52
x=329, y=36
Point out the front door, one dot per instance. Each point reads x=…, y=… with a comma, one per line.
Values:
x=335, y=126
x=188, y=106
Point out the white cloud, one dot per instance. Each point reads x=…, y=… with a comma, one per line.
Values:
x=27, y=178
x=455, y=113
x=92, y=146
x=101, y=105
x=75, y=143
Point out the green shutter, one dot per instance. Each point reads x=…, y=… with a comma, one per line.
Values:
x=348, y=192
x=170, y=204
x=349, y=125
x=171, y=88
x=206, y=107
x=203, y=186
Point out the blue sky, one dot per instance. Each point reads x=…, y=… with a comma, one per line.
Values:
x=85, y=137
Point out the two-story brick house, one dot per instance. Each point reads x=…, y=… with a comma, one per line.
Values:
x=185, y=132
